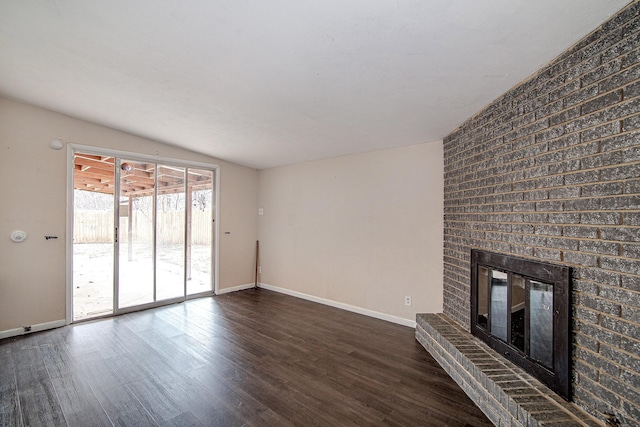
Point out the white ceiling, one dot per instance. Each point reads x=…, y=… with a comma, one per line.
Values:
x=268, y=83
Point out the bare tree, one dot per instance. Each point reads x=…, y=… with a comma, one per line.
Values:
x=91, y=200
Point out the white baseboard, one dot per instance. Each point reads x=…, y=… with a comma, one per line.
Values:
x=371, y=313
x=341, y=305
x=235, y=288
x=34, y=328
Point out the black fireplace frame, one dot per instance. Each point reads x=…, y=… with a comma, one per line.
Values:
x=558, y=379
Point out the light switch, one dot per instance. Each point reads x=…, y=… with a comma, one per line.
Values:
x=260, y=211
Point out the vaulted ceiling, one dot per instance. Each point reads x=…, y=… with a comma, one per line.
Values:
x=268, y=83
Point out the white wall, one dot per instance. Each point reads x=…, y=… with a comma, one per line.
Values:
x=363, y=230
x=33, y=198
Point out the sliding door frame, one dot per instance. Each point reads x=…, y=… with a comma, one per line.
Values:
x=88, y=149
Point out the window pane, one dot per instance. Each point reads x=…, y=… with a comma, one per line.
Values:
x=136, y=233
x=483, y=292
x=93, y=231
x=499, y=304
x=518, y=293
x=200, y=231
x=170, y=228
x=541, y=323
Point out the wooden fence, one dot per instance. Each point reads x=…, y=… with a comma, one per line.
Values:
x=97, y=227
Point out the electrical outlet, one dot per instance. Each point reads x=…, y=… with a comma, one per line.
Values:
x=259, y=270
x=407, y=301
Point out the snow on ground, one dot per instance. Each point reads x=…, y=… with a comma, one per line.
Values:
x=93, y=276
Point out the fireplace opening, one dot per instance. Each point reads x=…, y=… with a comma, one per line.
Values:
x=522, y=308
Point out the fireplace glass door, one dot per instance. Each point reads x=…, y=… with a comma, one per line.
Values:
x=521, y=308
x=541, y=322
x=518, y=311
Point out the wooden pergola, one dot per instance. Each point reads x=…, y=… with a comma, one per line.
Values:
x=97, y=174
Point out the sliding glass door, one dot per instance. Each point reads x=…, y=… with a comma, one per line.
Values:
x=155, y=243
x=170, y=232
x=93, y=235
x=136, y=271
x=199, y=226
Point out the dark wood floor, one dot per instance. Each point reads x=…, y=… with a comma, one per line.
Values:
x=249, y=358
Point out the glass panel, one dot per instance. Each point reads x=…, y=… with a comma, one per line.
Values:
x=499, y=304
x=482, y=294
x=93, y=231
x=170, y=228
x=518, y=293
x=135, y=234
x=541, y=323
x=200, y=231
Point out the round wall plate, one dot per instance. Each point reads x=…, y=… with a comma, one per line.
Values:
x=56, y=144
x=18, y=236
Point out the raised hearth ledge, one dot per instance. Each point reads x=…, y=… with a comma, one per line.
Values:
x=503, y=391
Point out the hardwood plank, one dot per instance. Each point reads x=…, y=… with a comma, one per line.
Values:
x=39, y=403
x=127, y=368
x=10, y=414
x=55, y=355
x=244, y=405
x=40, y=406
x=28, y=362
x=77, y=400
x=206, y=407
x=253, y=357
x=122, y=407
x=98, y=372
x=187, y=419
x=155, y=398
x=79, y=403
x=9, y=405
x=172, y=354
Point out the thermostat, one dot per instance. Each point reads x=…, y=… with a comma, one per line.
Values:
x=18, y=236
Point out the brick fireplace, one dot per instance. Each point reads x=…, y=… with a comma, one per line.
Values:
x=551, y=171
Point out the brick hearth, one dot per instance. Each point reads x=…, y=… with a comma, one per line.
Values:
x=504, y=392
